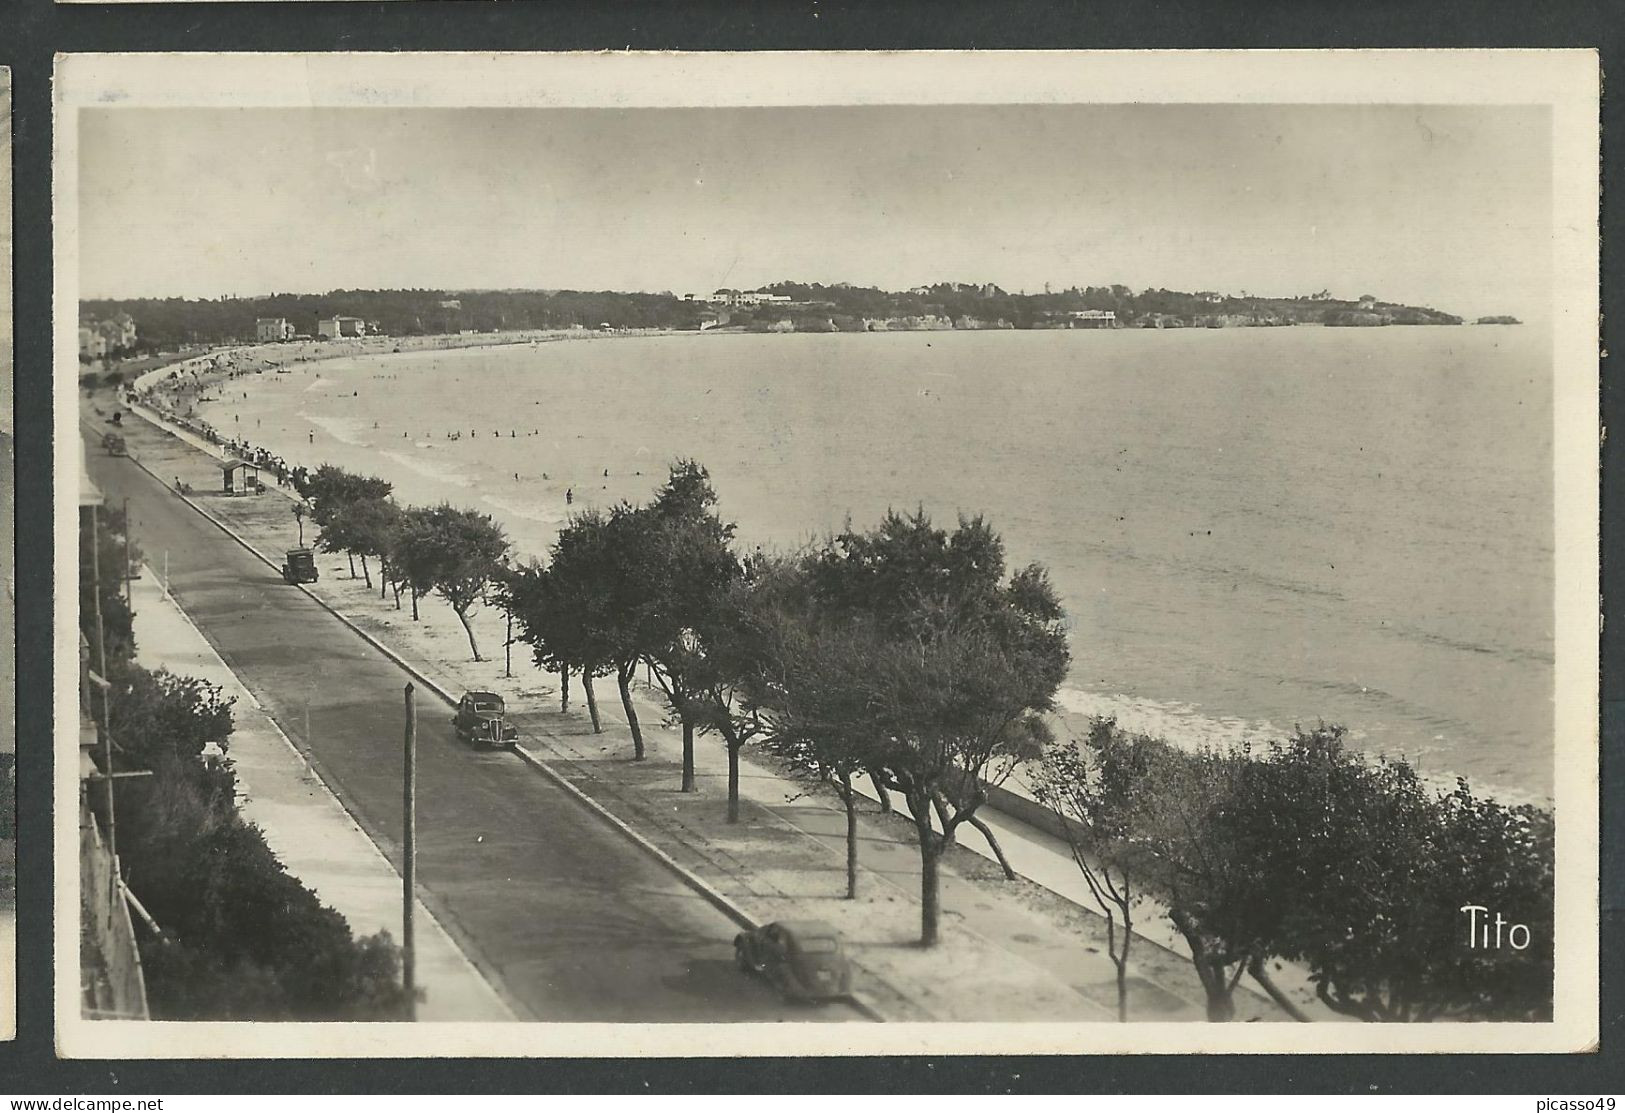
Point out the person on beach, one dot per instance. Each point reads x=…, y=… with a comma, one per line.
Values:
x=569, y=495
x=312, y=436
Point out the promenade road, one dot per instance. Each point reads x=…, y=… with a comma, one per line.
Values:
x=569, y=920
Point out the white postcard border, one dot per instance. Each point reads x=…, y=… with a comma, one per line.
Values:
x=1566, y=80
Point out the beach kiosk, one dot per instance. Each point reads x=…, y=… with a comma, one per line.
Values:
x=240, y=477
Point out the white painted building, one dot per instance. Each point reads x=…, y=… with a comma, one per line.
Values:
x=334, y=328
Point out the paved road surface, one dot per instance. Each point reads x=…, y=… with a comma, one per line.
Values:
x=568, y=919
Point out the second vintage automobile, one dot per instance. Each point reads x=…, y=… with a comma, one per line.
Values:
x=481, y=720
x=803, y=958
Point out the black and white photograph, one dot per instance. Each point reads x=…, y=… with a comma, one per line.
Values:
x=826, y=554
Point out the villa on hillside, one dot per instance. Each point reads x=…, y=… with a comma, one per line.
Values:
x=99, y=339
x=272, y=328
x=335, y=328
x=746, y=298
x=1092, y=318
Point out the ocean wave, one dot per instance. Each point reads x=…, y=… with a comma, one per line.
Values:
x=1180, y=724
x=529, y=512
x=1188, y=728
x=340, y=429
x=429, y=470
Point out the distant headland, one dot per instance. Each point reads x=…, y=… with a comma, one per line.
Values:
x=168, y=323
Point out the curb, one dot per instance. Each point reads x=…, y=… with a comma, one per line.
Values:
x=705, y=890
x=428, y=913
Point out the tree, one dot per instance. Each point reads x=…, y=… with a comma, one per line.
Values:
x=581, y=608
x=158, y=716
x=812, y=697
x=1220, y=896
x=1372, y=866
x=370, y=527
x=300, y=509
x=330, y=489
x=684, y=565
x=361, y=527
x=461, y=551
x=242, y=939
x=628, y=621
x=731, y=650
x=412, y=556
x=962, y=669
x=528, y=589
x=503, y=596
x=1098, y=797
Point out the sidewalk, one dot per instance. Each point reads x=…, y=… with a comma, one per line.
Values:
x=306, y=827
x=1036, y=945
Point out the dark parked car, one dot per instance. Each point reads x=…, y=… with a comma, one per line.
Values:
x=481, y=719
x=803, y=958
x=299, y=567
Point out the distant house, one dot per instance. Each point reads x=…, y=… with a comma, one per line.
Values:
x=334, y=328
x=99, y=339
x=1092, y=318
x=92, y=344
x=120, y=331
x=272, y=328
x=746, y=297
x=451, y=303
x=1367, y=301
x=1211, y=297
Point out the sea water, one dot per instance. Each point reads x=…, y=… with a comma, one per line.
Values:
x=1250, y=528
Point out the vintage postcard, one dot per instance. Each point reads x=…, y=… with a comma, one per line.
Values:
x=809, y=554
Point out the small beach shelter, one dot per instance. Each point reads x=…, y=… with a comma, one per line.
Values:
x=240, y=477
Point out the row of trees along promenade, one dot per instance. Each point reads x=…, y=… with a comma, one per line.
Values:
x=907, y=656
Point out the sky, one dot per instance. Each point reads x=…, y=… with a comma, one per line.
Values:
x=1434, y=205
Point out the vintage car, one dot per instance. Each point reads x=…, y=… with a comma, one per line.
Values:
x=299, y=567
x=481, y=720
x=802, y=958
